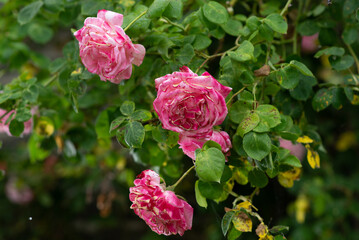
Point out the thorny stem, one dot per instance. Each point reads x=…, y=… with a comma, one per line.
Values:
x=287, y=5
x=354, y=56
x=134, y=20
x=171, y=188
x=233, y=96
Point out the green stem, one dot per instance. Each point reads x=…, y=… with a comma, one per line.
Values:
x=134, y=20
x=286, y=7
x=172, y=188
x=50, y=80
x=354, y=56
x=173, y=23
x=250, y=197
x=272, y=66
x=233, y=96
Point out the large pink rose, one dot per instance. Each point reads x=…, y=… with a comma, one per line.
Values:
x=5, y=127
x=190, y=144
x=162, y=210
x=105, y=49
x=190, y=104
x=297, y=149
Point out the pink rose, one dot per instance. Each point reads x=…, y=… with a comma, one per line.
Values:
x=162, y=210
x=190, y=144
x=297, y=149
x=105, y=49
x=5, y=127
x=310, y=43
x=18, y=192
x=190, y=104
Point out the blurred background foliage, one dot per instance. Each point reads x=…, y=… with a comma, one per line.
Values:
x=70, y=178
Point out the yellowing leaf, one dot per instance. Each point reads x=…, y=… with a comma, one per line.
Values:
x=304, y=139
x=346, y=140
x=301, y=206
x=44, y=127
x=355, y=100
x=286, y=179
x=77, y=71
x=246, y=205
x=262, y=230
x=285, y=182
x=242, y=222
x=313, y=158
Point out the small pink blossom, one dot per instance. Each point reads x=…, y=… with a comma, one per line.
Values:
x=190, y=144
x=310, y=43
x=162, y=210
x=105, y=49
x=190, y=104
x=5, y=127
x=297, y=149
x=18, y=192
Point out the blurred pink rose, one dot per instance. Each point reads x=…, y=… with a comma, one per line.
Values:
x=190, y=104
x=105, y=49
x=190, y=144
x=297, y=149
x=162, y=210
x=18, y=192
x=310, y=43
x=5, y=127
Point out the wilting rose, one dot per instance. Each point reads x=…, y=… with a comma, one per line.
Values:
x=5, y=127
x=190, y=104
x=162, y=210
x=105, y=49
x=190, y=144
x=310, y=43
x=18, y=192
x=297, y=149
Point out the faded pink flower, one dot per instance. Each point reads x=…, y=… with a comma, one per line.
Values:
x=18, y=192
x=310, y=43
x=105, y=49
x=5, y=127
x=190, y=144
x=162, y=210
x=297, y=149
x=190, y=104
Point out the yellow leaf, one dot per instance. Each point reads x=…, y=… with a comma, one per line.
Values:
x=286, y=179
x=44, y=127
x=246, y=205
x=313, y=158
x=346, y=140
x=304, y=139
x=285, y=182
x=301, y=206
x=242, y=222
x=77, y=71
x=355, y=100
x=262, y=230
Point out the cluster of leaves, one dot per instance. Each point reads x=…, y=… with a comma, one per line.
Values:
x=251, y=47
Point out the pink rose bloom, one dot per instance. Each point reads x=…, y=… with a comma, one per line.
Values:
x=190, y=104
x=18, y=192
x=162, y=210
x=105, y=49
x=297, y=149
x=5, y=127
x=190, y=144
x=310, y=43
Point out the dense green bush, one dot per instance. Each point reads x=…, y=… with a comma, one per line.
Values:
x=293, y=70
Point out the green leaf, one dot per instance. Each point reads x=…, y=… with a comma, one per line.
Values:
x=102, y=125
x=40, y=33
x=116, y=123
x=31, y=94
x=226, y=221
x=233, y=234
x=185, y=54
x=23, y=114
x=257, y=178
x=336, y=51
x=157, y=8
x=350, y=35
x=127, y=108
x=277, y=23
x=253, y=23
x=269, y=117
x=232, y=27
x=210, y=144
x=341, y=63
x=28, y=12
x=210, y=164
x=308, y=28
x=288, y=77
x=257, y=145
x=322, y=99
x=199, y=197
x=174, y=9
x=210, y=190
x=248, y=123
x=243, y=53
x=215, y=12
x=291, y=160
x=301, y=67
x=241, y=108
x=279, y=229
x=201, y=42
x=159, y=134
x=134, y=134
x=16, y=127
x=91, y=7
x=304, y=89
x=141, y=115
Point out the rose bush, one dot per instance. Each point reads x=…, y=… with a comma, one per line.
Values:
x=105, y=49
